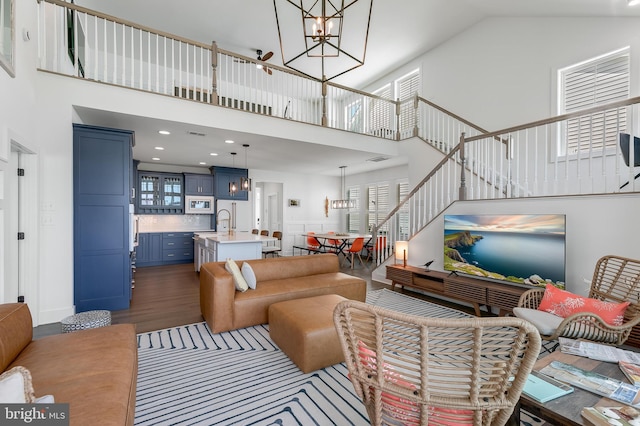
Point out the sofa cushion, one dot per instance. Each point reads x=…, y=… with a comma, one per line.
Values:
x=249, y=275
x=16, y=331
x=94, y=370
x=545, y=322
x=232, y=267
x=294, y=266
x=16, y=386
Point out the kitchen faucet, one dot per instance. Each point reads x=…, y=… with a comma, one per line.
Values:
x=228, y=219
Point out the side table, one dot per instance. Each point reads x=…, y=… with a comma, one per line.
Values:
x=85, y=320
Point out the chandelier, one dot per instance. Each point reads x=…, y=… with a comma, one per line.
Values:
x=344, y=203
x=334, y=35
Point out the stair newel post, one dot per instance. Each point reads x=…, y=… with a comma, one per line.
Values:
x=324, y=102
x=462, y=194
x=214, y=75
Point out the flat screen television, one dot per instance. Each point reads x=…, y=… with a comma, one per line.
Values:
x=527, y=249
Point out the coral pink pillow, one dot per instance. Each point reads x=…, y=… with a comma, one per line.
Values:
x=563, y=304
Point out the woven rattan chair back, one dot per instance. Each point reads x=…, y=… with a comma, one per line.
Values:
x=615, y=279
x=414, y=370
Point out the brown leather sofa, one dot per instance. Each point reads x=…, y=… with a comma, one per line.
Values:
x=94, y=370
x=278, y=279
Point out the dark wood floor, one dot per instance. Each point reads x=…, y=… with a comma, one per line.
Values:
x=168, y=296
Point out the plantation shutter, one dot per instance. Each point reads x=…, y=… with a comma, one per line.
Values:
x=380, y=112
x=591, y=84
x=353, y=220
x=406, y=88
x=378, y=200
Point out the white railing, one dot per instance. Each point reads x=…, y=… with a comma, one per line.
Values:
x=83, y=43
x=530, y=160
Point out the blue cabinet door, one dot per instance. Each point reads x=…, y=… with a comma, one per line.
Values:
x=149, y=250
x=222, y=177
x=102, y=191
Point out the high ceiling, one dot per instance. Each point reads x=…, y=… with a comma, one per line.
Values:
x=400, y=30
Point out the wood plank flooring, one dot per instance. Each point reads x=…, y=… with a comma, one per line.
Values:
x=169, y=296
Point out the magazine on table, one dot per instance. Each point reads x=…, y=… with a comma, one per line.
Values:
x=593, y=382
x=632, y=371
x=597, y=351
x=543, y=388
x=607, y=416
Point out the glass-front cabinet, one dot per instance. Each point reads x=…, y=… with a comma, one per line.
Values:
x=160, y=193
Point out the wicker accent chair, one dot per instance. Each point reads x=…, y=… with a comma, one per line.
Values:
x=414, y=370
x=615, y=279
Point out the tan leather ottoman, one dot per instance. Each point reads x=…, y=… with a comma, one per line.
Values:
x=304, y=330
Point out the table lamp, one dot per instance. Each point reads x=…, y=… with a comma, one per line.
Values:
x=402, y=251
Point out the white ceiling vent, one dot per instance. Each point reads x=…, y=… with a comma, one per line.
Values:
x=190, y=132
x=378, y=159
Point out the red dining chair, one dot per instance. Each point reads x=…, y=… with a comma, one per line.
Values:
x=355, y=249
x=312, y=242
x=333, y=243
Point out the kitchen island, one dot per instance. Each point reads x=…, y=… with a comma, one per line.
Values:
x=219, y=246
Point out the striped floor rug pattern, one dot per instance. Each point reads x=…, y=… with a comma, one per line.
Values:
x=190, y=376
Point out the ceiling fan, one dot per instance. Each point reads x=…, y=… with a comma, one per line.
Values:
x=264, y=58
x=261, y=58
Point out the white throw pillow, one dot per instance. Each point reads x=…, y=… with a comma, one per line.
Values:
x=232, y=267
x=249, y=275
x=545, y=322
x=16, y=387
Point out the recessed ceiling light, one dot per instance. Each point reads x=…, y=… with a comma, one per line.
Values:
x=214, y=154
x=155, y=159
x=203, y=163
x=229, y=141
x=164, y=132
x=159, y=148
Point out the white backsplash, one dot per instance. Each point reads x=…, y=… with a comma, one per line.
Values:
x=174, y=222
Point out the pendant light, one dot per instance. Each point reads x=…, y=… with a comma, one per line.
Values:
x=344, y=203
x=233, y=188
x=245, y=182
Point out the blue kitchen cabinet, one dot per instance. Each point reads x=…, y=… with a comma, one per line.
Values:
x=102, y=191
x=177, y=247
x=149, y=250
x=160, y=193
x=222, y=177
x=196, y=184
x=164, y=248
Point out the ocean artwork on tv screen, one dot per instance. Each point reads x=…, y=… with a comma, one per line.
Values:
x=526, y=249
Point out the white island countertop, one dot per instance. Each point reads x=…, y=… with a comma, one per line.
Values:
x=235, y=237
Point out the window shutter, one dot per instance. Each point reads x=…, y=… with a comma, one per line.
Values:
x=380, y=112
x=406, y=88
x=378, y=201
x=354, y=214
x=594, y=83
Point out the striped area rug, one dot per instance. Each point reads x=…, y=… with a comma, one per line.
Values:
x=190, y=376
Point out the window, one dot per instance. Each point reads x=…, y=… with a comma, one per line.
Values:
x=353, y=217
x=378, y=205
x=592, y=83
x=406, y=87
x=354, y=116
x=380, y=113
x=6, y=36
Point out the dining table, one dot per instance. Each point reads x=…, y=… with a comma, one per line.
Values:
x=341, y=239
